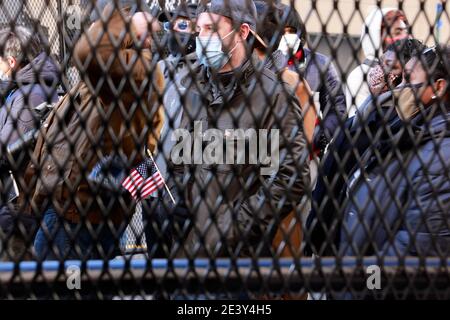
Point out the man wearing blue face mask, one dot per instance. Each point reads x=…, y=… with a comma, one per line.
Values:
x=220, y=44
x=234, y=208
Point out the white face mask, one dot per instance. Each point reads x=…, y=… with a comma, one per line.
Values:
x=290, y=41
x=4, y=76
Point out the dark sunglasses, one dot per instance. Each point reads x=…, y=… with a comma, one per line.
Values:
x=181, y=25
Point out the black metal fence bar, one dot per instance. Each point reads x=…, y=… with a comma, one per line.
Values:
x=204, y=277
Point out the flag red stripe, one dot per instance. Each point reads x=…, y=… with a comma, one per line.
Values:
x=147, y=189
x=133, y=182
x=152, y=184
x=133, y=185
x=132, y=176
x=149, y=192
x=135, y=177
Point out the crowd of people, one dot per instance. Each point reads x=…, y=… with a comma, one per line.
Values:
x=382, y=186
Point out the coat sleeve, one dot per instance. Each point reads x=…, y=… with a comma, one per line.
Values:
x=332, y=102
x=284, y=188
x=21, y=118
x=304, y=95
x=428, y=201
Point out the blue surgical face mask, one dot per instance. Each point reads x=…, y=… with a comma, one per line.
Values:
x=209, y=51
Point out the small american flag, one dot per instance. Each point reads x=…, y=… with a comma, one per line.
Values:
x=143, y=180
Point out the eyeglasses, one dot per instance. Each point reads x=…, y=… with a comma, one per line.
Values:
x=428, y=50
x=182, y=25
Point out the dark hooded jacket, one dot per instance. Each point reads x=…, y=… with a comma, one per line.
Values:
x=400, y=200
x=342, y=157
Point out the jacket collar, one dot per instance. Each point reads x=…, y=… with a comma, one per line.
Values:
x=41, y=70
x=276, y=62
x=6, y=88
x=434, y=123
x=242, y=76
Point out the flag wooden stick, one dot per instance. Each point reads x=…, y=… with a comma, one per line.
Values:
x=163, y=180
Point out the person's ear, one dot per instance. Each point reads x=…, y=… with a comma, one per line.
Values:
x=141, y=22
x=12, y=62
x=440, y=87
x=244, y=31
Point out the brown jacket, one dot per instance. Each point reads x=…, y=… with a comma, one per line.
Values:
x=288, y=238
x=304, y=95
x=85, y=126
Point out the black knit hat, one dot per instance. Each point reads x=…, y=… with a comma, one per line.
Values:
x=269, y=18
x=291, y=18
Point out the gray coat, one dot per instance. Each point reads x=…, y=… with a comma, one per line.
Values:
x=235, y=208
x=33, y=84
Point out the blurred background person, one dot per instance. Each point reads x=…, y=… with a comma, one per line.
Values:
x=383, y=78
x=61, y=193
x=320, y=73
x=28, y=78
x=158, y=218
x=179, y=25
x=269, y=15
x=381, y=28
x=361, y=133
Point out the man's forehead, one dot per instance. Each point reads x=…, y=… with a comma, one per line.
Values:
x=209, y=18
